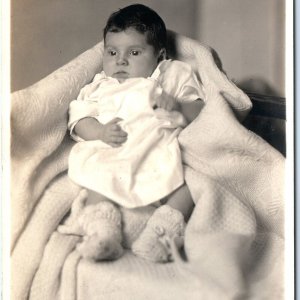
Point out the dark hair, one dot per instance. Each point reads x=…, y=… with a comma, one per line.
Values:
x=143, y=19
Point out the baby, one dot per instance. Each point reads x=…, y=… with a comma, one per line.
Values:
x=126, y=123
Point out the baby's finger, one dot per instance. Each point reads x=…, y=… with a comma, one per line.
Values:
x=115, y=127
x=118, y=139
x=119, y=133
x=115, y=121
x=158, y=102
x=116, y=130
x=114, y=145
x=166, y=105
x=169, y=105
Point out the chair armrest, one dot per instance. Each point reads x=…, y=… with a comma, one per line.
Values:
x=268, y=106
x=267, y=119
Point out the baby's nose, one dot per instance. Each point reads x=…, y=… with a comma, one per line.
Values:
x=122, y=60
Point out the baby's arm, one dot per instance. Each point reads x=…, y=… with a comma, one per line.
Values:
x=110, y=133
x=191, y=110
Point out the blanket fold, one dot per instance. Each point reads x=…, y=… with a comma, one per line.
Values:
x=234, y=241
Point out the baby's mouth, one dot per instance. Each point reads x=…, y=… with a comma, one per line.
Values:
x=121, y=74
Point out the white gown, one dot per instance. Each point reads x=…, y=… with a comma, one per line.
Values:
x=147, y=167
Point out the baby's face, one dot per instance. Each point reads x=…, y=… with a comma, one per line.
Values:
x=127, y=55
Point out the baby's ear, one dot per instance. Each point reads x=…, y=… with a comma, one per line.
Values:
x=162, y=54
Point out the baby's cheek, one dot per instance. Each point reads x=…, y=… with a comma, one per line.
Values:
x=107, y=67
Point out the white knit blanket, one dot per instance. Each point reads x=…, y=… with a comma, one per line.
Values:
x=234, y=240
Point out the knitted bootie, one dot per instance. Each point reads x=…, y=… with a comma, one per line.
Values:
x=102, y=226
x=166, y=223
x=71, y=225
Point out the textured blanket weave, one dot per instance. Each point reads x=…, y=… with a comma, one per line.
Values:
x=234, y=240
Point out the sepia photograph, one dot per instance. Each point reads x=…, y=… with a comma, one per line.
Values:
x=149, y=150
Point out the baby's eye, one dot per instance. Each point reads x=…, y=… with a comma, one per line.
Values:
x=135, y=52
x=112, y=52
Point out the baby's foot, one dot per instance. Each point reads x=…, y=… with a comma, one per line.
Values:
x=166, y=223
x=102, y=227
x=71, y=225
x=95, y=248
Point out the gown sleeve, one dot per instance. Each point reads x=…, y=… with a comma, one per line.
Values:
x=178, y=80
x=84, y=106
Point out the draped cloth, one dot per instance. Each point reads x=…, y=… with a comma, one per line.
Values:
x=234, y=242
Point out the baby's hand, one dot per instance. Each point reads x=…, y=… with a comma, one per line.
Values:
x=112, y=133
x=166, y=102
